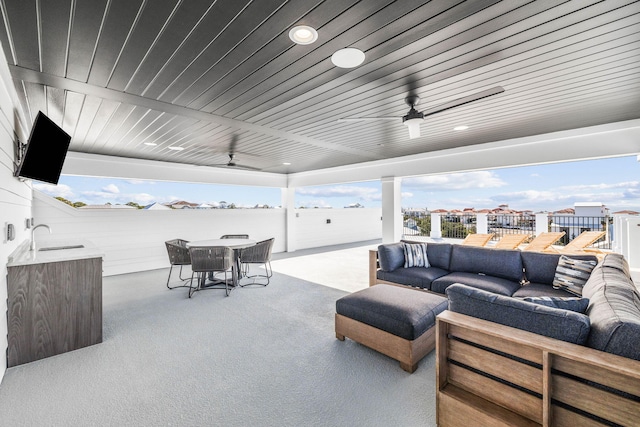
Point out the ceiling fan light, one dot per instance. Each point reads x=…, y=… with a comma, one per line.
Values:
x=414, y=127
x=349, y=57
x=303, y=34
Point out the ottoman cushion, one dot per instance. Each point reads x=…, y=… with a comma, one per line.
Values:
x=403, y=312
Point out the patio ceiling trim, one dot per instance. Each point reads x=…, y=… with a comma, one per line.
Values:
x=609, y=140
x=96, y=165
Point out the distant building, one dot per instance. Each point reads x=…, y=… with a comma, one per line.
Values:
x=157, y=207
x=354, y=205
x=181, y=204
x=585, y=216
x=415, y=212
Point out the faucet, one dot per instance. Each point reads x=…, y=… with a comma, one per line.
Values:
x=33, y=240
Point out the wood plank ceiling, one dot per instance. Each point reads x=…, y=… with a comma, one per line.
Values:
x=199, y=74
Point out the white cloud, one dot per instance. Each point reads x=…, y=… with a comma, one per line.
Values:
x=615, y=185
x=406, y=194
x=111, y=188
x=361, y=193
x=60, y=190
x=455, y=181
x=140, y=182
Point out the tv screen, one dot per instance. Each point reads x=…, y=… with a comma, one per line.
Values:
x=45, y=151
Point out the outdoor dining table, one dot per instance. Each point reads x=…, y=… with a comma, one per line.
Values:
x=236, y=245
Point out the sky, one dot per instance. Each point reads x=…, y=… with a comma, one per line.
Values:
x=614, y=182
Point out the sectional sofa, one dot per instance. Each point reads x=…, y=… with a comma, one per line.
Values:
x=505, y=361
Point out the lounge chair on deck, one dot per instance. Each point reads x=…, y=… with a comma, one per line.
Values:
x=543, y=241
x=580, y=243
x=511, y=241
x=477, y=239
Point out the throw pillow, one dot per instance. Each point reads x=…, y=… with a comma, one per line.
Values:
x=571, y=303
x=572, y=274
x=415, y=255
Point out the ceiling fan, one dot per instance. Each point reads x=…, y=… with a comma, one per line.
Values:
x=232, y=163
x=232, y=157
x=414, y=118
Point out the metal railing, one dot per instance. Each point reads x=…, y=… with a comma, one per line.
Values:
x=458, y=226
x=503, y=224
x=574, y=225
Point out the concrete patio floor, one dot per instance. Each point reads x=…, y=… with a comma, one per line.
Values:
x=342, y=267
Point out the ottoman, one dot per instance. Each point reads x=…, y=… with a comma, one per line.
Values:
x=396, y=321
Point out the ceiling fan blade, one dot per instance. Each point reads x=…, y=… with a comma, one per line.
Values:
x=464, y=100
x=367, y=119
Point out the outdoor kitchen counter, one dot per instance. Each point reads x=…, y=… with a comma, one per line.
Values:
x=54, y=299
x=53, y=250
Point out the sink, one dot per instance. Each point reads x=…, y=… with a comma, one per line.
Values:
x=59, y=248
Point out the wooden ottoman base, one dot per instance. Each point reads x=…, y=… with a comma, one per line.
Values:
x=407, y=352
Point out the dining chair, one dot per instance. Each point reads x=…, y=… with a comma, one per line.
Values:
x=178, y=255
x=207, y=260
x=258, y=254
x=234, y=236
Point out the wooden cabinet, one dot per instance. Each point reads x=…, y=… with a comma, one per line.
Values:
x=53, y=308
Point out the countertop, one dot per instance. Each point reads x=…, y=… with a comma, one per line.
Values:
x=23, y=256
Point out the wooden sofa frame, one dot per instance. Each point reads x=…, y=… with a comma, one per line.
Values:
x=494, y=375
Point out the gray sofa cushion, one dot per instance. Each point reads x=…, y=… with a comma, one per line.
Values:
x=439, y=255
x=541, y=267
x=419, y=277
x=503, y=263
x=560, y=324
x=614, y=310
x=496, y=285
x=571, y=303
x=391, y=256
x=406, y=313
x=540, y=290
x=618, y=262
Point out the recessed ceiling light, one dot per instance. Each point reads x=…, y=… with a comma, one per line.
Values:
x=176, y=148
x=303, y=34
x=463, y=127
x=150, y=144
x=348, y=57
x=286, y=163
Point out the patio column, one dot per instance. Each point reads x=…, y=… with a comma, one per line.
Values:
x=288, y=204
x=482, y=223
x=542, y=223
x=436, y=226
x=391, y=209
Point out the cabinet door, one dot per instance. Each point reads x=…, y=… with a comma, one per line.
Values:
x=53, y=308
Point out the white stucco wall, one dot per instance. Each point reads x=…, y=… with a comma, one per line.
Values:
x=133, y=240
x=15, y=195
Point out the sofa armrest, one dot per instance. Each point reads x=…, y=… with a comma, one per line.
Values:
x=373, y=266
x=496, y=375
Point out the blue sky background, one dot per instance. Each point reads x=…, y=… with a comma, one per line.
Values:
x=614, y=182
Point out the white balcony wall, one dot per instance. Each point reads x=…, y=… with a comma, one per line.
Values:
x=133, y=240
x=346, y=226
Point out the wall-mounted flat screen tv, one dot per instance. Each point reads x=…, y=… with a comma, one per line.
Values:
x=45, y=151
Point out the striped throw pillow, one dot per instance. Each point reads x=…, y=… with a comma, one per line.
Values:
x=572, y=274
x=415, y=255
